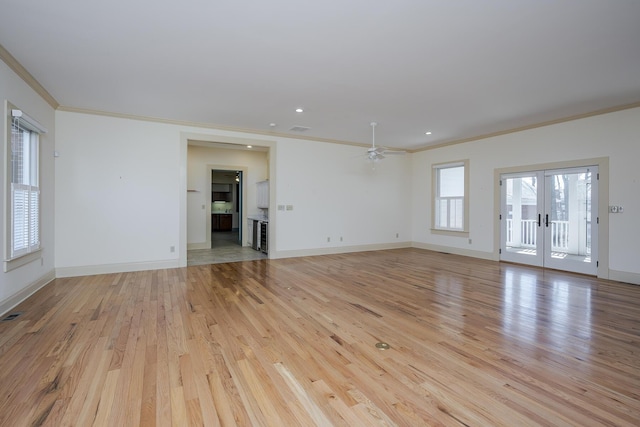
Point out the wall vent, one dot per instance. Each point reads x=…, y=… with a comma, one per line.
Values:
x=299, y=129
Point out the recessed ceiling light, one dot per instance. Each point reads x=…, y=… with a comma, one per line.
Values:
x=299, y=110
x=249, y=146
x=428, y=132
x=272, y=125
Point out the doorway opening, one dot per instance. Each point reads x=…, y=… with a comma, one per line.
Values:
x=226, y=208
x=204, y=154
x=226, y=224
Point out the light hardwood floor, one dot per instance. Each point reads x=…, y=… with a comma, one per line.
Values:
x=292, y=342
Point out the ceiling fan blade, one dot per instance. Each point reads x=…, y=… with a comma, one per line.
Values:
x=374, y=156
x=378, y=153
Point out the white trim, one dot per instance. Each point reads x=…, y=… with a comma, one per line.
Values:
x=185, y=140
x=625, y=277
x=90, y=270
x=435, y=194
x=448, y=165
x=337, y=250
x=12, y=260
x=29, y=122
x=453, y=250
x=603, y=202
x=19, y=261
x=199, y=245
x=20, y=296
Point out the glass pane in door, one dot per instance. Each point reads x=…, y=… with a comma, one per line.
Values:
x=568, y=220
x=520, y=219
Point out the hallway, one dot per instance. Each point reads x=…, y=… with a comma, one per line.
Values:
x=225, y=248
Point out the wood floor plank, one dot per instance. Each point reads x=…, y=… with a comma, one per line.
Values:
x=107, y=397
x=292, y=342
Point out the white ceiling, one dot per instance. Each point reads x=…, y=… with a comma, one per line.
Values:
x=459, y=68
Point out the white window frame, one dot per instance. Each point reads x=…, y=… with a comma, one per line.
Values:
x=22, y=199
x=452, y=202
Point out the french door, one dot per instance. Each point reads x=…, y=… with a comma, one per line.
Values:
x=549, y=218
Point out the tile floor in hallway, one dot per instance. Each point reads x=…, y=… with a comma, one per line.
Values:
x=225, y=248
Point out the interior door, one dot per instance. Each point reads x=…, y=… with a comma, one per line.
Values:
x=549, y=219
x=570, y=220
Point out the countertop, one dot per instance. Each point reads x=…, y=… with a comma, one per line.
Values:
x=258, y=218
x=221, y=213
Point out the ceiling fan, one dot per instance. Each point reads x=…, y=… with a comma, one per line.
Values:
x=375, y=154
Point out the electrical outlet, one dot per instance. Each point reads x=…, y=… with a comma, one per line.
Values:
x=280, y=207
x=289, y=207
x=341, y=238
x=172, y=248
x=620, y=209
x=469, y=241
x=397, y=235
x=613, y=209
x=328, y=239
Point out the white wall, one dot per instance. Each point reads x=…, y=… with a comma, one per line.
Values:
x=335, y=193
x=17, y=284
x=121, y=190
x=118, y=192
x=122, y=201
x=614, y=135
x=200, y=161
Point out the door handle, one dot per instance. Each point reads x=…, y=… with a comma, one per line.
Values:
x=539, y=220
x=546, y=220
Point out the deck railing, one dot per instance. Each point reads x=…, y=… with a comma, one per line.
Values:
x=528, y=230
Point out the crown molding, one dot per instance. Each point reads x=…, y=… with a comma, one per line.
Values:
x=355, y=144
x=205, y=125
x=22, y=72
x=533, y=126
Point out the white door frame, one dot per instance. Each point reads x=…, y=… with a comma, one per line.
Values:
x=602, y=203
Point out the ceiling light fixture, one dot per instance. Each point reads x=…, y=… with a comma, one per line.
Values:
x=428, y=132
x=299, y=110
x=249, y=146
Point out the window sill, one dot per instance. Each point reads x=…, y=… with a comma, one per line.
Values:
x=453, y=233
x=14, y=263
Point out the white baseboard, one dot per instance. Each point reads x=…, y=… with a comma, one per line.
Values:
x=201, y=245
x=338, y=250
x=618, y=276
x=6, y=305
x=624, y=276
x=18, y=297
x=90, y=270
x=457, y=251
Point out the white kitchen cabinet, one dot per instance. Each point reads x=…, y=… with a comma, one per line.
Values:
x=221, y=188
x=262, y=195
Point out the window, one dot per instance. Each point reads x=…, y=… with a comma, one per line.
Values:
x=23, y=197
x=450, y=203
